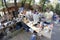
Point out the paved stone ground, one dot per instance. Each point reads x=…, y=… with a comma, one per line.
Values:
x=26, y=36
x=56, y=32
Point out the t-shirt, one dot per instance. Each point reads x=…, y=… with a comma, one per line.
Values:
x=36, y=17
x=29, y=15
x=49, y=16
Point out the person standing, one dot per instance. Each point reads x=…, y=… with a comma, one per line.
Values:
x=29, y=15
x=48, y=16
x=36, y=16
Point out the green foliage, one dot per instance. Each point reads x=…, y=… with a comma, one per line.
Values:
x=43, y=2
x=0, y=3
x=57, y=10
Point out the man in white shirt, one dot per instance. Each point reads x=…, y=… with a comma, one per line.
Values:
x=29, y=15
x=36, y=17
x=48, y=16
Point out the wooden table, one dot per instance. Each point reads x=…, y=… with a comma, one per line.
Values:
x=30, y=24
x=10, y=25
x=42, y=32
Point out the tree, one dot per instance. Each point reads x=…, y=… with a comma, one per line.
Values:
x=16, y=9
x=23, y=3
x=30, y=3
x=6, y=5
x=42, y=2
x=15, y=2
x=57, y=10
x=3, y=6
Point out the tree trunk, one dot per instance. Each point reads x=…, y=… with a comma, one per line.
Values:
x=43, y=5
x=42, y=2
x=2, y=3
x=30, y=3
x=16, y=8
x=23, y=3
x=6, y=6
x=15, y=3
x=3, y=6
